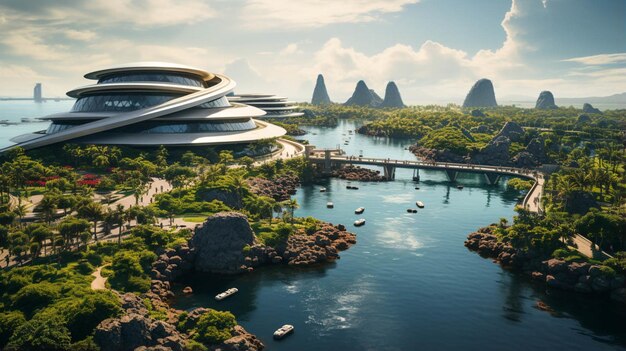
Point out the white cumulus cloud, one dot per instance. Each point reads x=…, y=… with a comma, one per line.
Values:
x=316, y=13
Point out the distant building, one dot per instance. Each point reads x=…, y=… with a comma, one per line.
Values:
x=37, y=93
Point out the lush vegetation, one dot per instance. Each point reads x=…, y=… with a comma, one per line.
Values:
x=55, y=213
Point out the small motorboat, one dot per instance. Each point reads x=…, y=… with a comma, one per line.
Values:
x=417, y=188
x=359, y=210
x=359, y=222
x=460, y=187
x=225, y=294
x=322, y=190
x=411, y=210
x=283, y=331
x=419, y=204
x=352, y=187
x=330, y=205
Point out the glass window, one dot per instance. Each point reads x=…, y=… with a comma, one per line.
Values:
x=119, y=102
x=169, y=127
x=161, y=77
x=221, y=102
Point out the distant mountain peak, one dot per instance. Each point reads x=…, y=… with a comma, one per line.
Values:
x=320, y=94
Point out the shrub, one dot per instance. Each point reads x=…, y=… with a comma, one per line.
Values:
x=9, y=322
x=41, y=334
x=214, y=327
x=35, y=296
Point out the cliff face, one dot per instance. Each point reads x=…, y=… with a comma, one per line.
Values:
x=363, y=96
x=392, y=96
x=545, y=101
x=320, y=94
x=481, y=95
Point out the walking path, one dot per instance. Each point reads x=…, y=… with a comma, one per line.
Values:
x=100, y=282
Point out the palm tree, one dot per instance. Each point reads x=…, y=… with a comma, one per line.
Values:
x=48, y=208
x=292, y=205
x=93, y=212
x=119, y=217
x=20, y=211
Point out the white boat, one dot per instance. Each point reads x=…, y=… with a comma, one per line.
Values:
x=359, y=222
x=283, y=331
x=322, y=190
x=359, y=210
x=330, y=205
x=419, y=204
x=225, y=294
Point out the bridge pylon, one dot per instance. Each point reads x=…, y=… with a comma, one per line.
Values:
x=452, y=175
x=492, y=178
x=390, y=172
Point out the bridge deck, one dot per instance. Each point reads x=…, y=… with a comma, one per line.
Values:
x=441, y=166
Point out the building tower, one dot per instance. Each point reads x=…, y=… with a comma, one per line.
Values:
x=37, y=93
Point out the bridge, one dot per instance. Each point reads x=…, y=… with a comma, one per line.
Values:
x=330, y=159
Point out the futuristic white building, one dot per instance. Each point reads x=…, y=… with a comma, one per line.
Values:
x=274, y=106
x=151, y=104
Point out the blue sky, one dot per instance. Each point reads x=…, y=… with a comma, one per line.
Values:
x=433, y=49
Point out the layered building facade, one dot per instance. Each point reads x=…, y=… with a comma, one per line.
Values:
x=150, y=104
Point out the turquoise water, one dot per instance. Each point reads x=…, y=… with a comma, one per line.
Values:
x=15, y=110
x=408, y=283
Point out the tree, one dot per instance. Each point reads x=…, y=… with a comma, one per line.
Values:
x=170, y=205
x=20, y=211
x=214, y=327
x=41, y=334
x=39, y=233
x=92, y=211
x=48, y=207
x=161, y=157
x=120, y=215
x=73, y=229
x=292, y=205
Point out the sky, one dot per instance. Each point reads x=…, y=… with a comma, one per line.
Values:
x=433, y=49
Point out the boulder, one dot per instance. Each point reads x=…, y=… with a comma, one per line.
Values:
x=619, y=295
x=363, y=96
x=480, y=129
x=545, y=101
x=231, y=199
x=477, y=113
x=219, y=243
x=511, y=130
x=496, y=152
x=133, y=331
x=241, y=341
x=392, y=96
x=481, y=95
x=536, y=148
x=583, y=119
x=320, y=94
x=588, y=108
x=524, y=159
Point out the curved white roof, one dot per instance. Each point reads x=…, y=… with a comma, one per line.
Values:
x=133, y=87
x=264, y=131
x=150, y=66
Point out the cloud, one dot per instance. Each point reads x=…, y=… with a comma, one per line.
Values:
x=138, y=13
x=290, y=49
x=603, y=59
x=316, y=13
x=81, y=35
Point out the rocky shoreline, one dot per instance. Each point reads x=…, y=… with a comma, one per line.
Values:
x=280, y=189
x=357, y=173
x=580, y=277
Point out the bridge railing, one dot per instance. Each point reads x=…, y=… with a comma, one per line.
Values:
x=442, y=165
